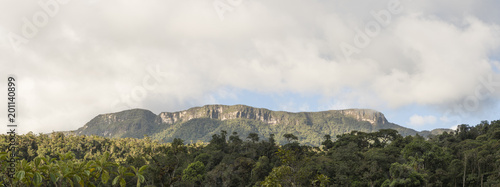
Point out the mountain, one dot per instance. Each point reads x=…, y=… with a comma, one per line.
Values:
x=130, y=123
x=200, y=123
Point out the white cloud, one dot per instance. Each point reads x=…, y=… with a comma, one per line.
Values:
x=92, y=53
x=417, y=120
x=454, y=127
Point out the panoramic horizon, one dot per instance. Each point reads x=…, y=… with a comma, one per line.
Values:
x=453, y=128
x=327, y=92
x=423, y=64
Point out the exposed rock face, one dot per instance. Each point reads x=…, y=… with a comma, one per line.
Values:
x=372, y=116
x=224, y=112
x=220, y=112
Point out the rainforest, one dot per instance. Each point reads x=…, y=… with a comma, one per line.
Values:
x=469, y=156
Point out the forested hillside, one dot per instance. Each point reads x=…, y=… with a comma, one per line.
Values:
x=469, y=156
x=199, y=123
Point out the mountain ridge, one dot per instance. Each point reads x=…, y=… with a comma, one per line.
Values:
x=207, y=120
x=263, y=114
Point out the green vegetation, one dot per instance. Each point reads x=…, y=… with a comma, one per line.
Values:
x=469, y=156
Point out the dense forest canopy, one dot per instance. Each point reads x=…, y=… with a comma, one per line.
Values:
x=469, y=156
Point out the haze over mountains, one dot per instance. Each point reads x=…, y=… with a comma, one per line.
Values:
x=200, y=123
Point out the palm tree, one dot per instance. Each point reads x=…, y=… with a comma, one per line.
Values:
x=103, y=167
x=121, y=174
x=139, y=174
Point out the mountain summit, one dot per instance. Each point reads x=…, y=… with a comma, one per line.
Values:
x=200, y=123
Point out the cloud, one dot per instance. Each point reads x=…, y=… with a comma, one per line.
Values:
x=454, y=127
x=417, y=120
x=94, y=54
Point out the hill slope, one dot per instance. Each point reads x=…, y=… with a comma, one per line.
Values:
x=200, y=123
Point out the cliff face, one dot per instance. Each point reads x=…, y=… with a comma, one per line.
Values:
x=371, y=116
x=220, y=112
x=200, y=123
x=224, y=112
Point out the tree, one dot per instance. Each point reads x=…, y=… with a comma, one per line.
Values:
x=103, y=167
x=290, y=137
x=138, y=173
x=328, y=143
x=235, y=139
x=272, y=141
x=404, y=175
x=195, y=173
x=177, y=145
x=387, y=135
x=219, y=141
x=121, y=175
x=261, y=169
x=280, y=176
x=254, y=137
x=321, y=180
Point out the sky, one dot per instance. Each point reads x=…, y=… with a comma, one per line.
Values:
x=425, y=64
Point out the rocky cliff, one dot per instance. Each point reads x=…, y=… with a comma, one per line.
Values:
x=371, y=116
x=220, y=112
x=224, y=112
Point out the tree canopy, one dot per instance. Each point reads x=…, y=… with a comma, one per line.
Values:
x=469, y=156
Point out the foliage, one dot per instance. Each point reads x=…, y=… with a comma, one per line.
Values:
x=468, y=156
x=195, y=172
